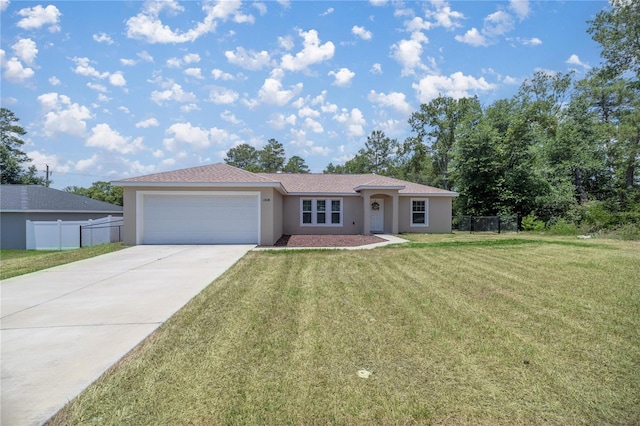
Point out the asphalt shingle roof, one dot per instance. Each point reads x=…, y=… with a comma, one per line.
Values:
x=39, y=198
x=212, y=173
x=308, y=183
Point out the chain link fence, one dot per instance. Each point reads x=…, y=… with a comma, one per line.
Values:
x=498, y=224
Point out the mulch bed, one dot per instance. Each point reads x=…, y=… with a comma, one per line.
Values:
x=326, y=240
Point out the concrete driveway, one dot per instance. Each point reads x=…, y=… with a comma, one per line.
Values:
x=61, y=328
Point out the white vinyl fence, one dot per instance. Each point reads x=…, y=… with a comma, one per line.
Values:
x=67, y=235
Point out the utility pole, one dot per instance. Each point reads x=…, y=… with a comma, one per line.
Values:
x=46, y=181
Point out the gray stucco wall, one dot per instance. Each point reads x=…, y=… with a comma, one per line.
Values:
x=352, y=217
x=439, y=216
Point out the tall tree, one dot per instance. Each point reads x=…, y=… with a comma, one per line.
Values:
x=437, y=125
x=618, y=32
x=12, y=157
x=245, y=157
x=479, y=172
x=380, y=152
x=296, y=165
x=99, y=190
x=272, y=157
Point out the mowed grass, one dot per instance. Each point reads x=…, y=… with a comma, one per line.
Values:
x=19, y=262
x=536, y=331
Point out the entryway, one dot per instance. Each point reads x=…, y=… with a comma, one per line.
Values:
x=377, y=215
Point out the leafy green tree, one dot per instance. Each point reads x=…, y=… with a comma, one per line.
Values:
x=296, y=165
x=101, y=191
x=437, y=125
x=478, y=172
x=245, y=157
x=272, y=157
x=12, y=157
x=335, y=170
x=380, y=153
x=618, y=32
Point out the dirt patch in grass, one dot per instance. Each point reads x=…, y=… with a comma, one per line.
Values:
x=327, y=240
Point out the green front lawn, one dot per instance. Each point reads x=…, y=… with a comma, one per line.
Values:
x=452, y=331
x=19, y=262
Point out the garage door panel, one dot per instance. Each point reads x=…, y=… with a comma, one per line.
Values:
x=200, y=219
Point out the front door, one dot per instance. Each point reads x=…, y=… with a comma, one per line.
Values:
x=376, y=209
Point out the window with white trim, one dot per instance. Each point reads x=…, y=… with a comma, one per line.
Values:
x=321, y=212
x=419, y=212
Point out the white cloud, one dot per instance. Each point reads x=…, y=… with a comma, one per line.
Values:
x=38, y=16
x=378, y=2
x=534, y=41
x=56, y=164
x=194, y=136
x=97, y=87
x=3, y=5
x=361, y=32
x=223, y=96
x=26, y=50
x=103, y=136
x=14, y=71
x=313, y=125
x=376, y=69
x=103, y=38
x=221, y=75
x=342, y=77
x=149, y=122
x=128, y=62
x=312, y=52
x=83, y=68
x=145, y=56
x=229, y=117
x=194, y=72
x=286, y=42
x=272, y=92
x=54, y=81
x=409, y=53
x=87, y=164
x=174, y=63
x=498, y=23
x=249, y=59
x=511, y=80
x=327, y=12
x=575, y=60
x=62, y=116
x=262, y=8
x=444, y=16
x=520, y=7
x=307, y=111
x=280, y=121
x=394, y=100
x=147, y=25
x=457, y=85
x=189, y=107
x=473, y=38
x=353, y=120
x=117, y=79
x=175, y=93
x=191, y=58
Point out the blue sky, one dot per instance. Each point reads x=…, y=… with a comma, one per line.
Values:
x=114, y=89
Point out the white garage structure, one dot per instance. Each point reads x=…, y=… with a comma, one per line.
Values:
x=198, y=217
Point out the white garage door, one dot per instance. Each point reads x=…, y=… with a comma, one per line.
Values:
x=200, y=219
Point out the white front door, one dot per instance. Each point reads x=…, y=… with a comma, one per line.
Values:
x=376, y=208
